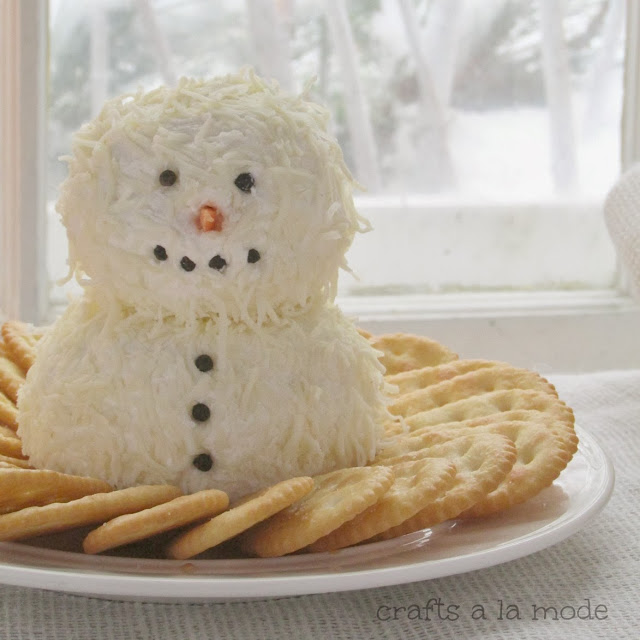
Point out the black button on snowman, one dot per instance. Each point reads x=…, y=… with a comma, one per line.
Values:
x=201, y=413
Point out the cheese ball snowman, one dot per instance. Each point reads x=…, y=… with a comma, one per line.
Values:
x=207, y=225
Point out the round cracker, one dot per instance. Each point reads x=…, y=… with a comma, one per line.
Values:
x=415, y=379
x=500, y=406
x=541, y=457
x=133, y=527
x=11, y=446
x=467, y=385
x=491, y=403
x=20, y=340
x=404, y=352
x=27, y=487
x=251, y=510
x=8, y=433
x=93, y=509
x=336, y=497
x=482, y=461
x=15, y=462
x=11, y=378
x=8, y=412
x=416, y=484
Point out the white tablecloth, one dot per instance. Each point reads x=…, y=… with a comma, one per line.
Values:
x=600, y=563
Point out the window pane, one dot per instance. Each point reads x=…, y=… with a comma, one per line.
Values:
x=486, y=133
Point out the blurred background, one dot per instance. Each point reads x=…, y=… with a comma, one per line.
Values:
x=485, y=132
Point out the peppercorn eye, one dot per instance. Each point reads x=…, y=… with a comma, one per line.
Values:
x=168, y=178
x=245, y=182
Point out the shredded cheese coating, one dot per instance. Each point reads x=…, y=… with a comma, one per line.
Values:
x=294, y=390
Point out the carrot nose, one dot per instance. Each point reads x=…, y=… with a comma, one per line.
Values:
x=210, y=218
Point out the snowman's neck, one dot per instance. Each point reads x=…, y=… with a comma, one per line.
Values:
x=103, y=302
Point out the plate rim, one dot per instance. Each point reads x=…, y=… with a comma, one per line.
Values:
x=176, y=587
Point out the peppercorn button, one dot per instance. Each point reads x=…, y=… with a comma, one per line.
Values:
x=204, y=363
x=200, y=412
x=203, y=462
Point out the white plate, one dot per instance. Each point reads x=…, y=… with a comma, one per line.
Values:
x=455, y=547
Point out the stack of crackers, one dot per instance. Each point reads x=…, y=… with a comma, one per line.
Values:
x=469, y=438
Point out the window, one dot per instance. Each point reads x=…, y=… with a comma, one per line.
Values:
x=487, y=134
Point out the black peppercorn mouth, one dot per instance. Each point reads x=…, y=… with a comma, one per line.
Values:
x=218, y=263
x=160, y=252
x=187, y=264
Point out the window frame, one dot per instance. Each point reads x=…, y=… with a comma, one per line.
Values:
x=575, y=331
x=23, y=39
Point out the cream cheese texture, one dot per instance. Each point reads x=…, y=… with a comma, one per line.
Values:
x=205, y=357
x=299, y=215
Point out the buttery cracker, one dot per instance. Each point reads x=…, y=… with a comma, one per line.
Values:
x=491, y=404
x=8, y=412
x=416, y=379
x=15, y=462
x=540, y=456
x=467, y=385
x=11, y=446
x=11, y=378
x=417, y=483
x=404, y=352
x=8, y=433
x=482, y=461
x=26, y=487
x=500, y=406
x=179, y=512
x=336, y=497
x=20, y=340
x=249, y=511
x=92, y=509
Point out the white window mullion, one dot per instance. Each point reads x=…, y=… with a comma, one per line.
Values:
x=630, y=148
x=557, y=81
x=23, y=279
x=630, y=121
x=362, y=137
x=269, y=40
x=99, y=56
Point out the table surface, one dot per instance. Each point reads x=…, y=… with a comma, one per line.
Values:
x=594, y=574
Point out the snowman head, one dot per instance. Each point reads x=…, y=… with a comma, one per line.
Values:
x=226, y=197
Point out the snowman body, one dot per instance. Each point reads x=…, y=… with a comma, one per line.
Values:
x=144, y=402
x=207, y=224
